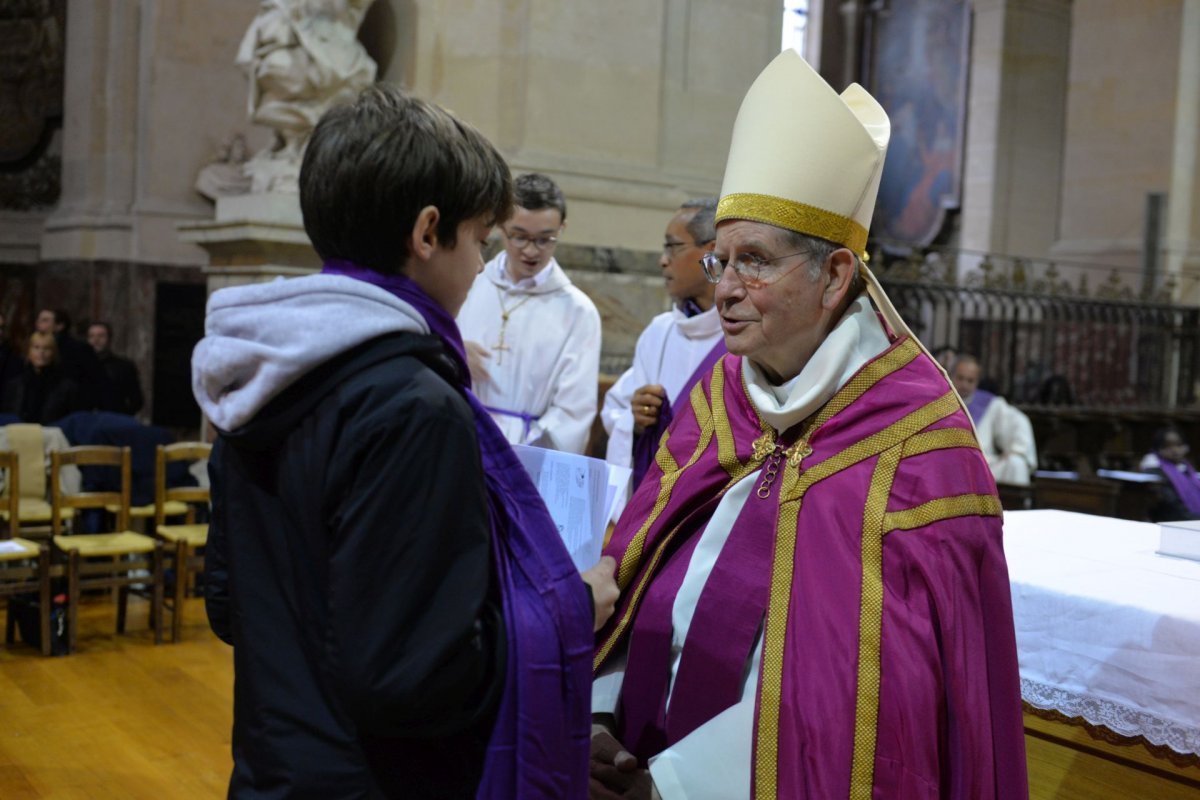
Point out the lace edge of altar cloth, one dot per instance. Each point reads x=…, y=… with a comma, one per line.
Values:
x=1118, y=718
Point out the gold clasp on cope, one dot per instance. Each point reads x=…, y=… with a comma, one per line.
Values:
x=798, y=452
x=763, y=446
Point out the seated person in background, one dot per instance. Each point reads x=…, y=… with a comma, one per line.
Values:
x=532, y=337
x=1179, y=494
x=77, y=360
x=42, y=393
x=1005, y=433
x=676, y=349
x=122, y=373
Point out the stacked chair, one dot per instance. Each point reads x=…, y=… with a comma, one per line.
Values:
x=24, y=565
x=118, y=559
x=185, y=538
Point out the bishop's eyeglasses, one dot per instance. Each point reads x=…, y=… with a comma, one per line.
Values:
x=753, y=271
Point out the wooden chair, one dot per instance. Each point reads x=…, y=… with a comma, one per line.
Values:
x=24, y=565
x=27, y=440
x=186, y=539
x=102, y=560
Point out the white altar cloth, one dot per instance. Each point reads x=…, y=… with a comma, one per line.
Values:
x=1107, y=629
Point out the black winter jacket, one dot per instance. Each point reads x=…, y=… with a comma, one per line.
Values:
x=348, y=563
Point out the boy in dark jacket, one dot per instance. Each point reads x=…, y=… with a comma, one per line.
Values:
x=405, y=621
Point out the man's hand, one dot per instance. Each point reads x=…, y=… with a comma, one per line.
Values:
x=614, y=771
x=646, y=403
x=604, y=589
x=477, y=358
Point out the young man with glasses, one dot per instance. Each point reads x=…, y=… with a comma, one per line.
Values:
x=815, y=600
x=675, y=350
x=532, y=337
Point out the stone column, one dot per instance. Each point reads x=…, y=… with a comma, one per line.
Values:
x=1183, y=201
x=1016, y=121
x=94, y=218
x=1120, y=130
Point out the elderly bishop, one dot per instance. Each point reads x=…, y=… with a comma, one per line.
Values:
x=815, y=602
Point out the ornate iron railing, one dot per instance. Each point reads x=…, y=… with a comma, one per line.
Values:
x=1043, y=342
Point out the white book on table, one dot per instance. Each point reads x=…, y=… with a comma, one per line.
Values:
x=580, y=492
x=1180, y=539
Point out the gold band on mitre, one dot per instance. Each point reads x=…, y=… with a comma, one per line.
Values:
x=794, y=216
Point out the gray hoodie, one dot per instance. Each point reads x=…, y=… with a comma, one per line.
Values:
x=261, y=338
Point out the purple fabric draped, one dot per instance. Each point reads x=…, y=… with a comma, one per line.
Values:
x=979, y=404
x=1186, y=482
x=539, y=745
x=646, y=443
x=526, y=418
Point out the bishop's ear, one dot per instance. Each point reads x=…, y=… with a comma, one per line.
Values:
x=424, y=233
x=839, y=277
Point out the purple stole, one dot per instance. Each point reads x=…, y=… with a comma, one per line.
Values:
x=806, y=568
x=1187, y=484
x=979, y=404
x=646, y=443
x=539, y=745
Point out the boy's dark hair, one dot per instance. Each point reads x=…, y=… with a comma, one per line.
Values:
x=372, y=165
x=63, y=317
x=535, y=191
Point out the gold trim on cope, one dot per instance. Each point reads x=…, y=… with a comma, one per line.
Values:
x=726, y=449
x=633, y=553
x=783, y=564
x=663, y=457
x=962, y=505
x=877, y=442
x=794, y=216
x=870, y=625
x=899, y=357
x=941, y=439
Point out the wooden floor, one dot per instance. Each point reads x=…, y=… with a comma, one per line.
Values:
x=120, y=717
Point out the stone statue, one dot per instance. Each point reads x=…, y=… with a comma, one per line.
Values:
x=227, y=175
x=302, y=57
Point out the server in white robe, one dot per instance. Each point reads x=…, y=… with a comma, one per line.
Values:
x=532, y=337
x=673, y=347
x=1005, y=433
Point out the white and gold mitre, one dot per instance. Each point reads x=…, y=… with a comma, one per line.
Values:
x=805, y=158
